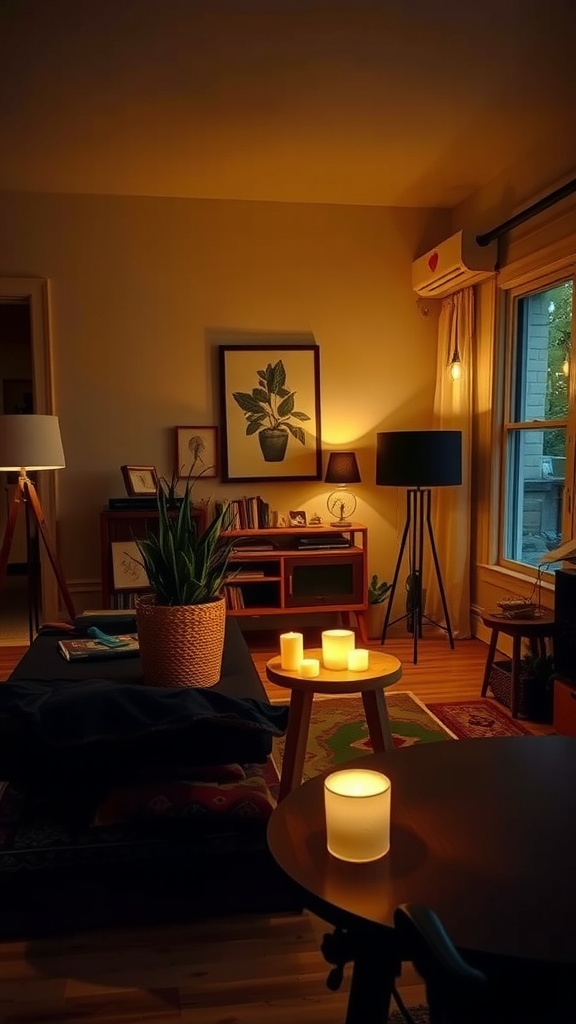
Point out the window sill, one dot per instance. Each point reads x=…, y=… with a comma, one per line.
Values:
x=498, y=576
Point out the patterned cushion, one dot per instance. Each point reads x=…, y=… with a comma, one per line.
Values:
x=248, y=797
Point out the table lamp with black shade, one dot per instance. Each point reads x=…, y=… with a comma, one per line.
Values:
x=30, y=442
x=418, y=460
x=342, y=469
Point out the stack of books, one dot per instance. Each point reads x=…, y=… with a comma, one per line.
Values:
x=94, y=650
x=250, y=513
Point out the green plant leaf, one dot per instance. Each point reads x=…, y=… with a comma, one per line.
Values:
x=286, y=406
x=296, y=432
x=276, y=378
x=183, y=565
x=300, y=416
x=247, y=402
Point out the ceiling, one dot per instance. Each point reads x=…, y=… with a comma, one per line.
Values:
x=389, y=102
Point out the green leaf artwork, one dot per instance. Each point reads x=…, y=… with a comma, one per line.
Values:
x=269, y=411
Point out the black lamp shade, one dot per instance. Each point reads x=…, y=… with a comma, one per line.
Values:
x=342, y=468
x=419, y=458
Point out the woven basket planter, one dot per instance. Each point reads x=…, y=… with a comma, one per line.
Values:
x=181, y=645
x=534, y=702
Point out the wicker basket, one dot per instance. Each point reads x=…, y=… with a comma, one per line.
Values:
x=180, y=645
x=500, y=682
x=534, y=703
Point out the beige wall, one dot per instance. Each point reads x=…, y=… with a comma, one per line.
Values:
x=144, y=289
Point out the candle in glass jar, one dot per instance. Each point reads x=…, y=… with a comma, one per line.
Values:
x=336, y=646
x=309, y=668
x=357, y=805
x=291, y=651
x=358, y=660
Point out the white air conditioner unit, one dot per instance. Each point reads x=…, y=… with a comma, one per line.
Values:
x=452, y=265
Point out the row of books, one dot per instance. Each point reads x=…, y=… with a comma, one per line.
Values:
x=249, y=513
x=234, y=596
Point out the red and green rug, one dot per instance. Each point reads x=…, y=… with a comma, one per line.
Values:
x=338, y=730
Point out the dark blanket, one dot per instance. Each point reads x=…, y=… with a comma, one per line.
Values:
x=86, y=737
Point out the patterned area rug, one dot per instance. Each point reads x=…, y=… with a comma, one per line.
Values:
x=338, y=730
x=471, y=719
x=419, y=1015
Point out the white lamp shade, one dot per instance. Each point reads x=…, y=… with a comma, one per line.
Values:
x=30, y=441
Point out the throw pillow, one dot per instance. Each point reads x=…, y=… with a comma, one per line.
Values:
x=249, y=798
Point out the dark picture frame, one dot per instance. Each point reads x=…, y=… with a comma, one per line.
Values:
x=270, y=408
x=297, y=518
x=140, y=480
x=197, y=452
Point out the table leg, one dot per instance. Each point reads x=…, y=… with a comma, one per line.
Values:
x=360, y=623
x=374, y=973
x=376, y=713
x=515, y=675
x=362, y=626
x=296, y=741
x=489, y=660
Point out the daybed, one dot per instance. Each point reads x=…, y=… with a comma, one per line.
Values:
x=106, y=822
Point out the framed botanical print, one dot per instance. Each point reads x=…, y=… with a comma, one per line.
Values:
x=128, y=573
x=196, y=452
x=270, y=407
x=140, y=480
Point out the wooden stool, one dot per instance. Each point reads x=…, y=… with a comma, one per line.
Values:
x=535, y=631
x=382, y=671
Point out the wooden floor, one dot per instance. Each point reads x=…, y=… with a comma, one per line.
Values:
x=239, y=970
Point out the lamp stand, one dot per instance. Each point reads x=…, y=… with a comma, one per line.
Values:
x=418, y=507
x=26, y=494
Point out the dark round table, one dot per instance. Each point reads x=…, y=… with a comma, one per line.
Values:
x=483, y=831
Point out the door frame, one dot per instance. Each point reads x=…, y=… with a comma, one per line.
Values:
x=36, y=291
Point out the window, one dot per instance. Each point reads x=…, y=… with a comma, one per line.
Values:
x=536, y=423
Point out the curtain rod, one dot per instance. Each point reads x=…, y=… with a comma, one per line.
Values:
x=542, y=204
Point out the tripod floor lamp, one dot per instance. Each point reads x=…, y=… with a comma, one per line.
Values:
x=31, y=442
x=418, y=460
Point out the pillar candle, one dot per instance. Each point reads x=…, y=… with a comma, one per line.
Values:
x=357, y=804
x=309, y=668
x=336, y=646
x=291, y=651
x=358, y=660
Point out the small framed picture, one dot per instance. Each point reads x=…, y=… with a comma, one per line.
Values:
x=128, y=573
x=297, y=518
x=140, y=480
x=196, y=452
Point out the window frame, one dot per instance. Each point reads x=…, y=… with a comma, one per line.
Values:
x=511, y=296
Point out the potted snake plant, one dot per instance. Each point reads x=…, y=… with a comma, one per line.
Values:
x=181, y=623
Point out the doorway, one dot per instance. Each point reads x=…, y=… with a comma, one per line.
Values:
x=25, y=386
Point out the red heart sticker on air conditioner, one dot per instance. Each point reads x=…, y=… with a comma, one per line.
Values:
x=433, y=261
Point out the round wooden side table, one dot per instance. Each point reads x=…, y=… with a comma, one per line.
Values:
x=535, y=631
x=382, y=671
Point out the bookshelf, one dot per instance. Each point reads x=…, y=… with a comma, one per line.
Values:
x=124, y=525
x=308, y=569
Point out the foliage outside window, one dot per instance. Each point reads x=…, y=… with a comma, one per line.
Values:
x=535, y=431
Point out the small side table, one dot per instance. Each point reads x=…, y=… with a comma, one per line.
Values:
x=382, y=671
x=535, y=631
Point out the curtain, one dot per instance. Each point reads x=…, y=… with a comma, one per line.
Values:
x=451, y=506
